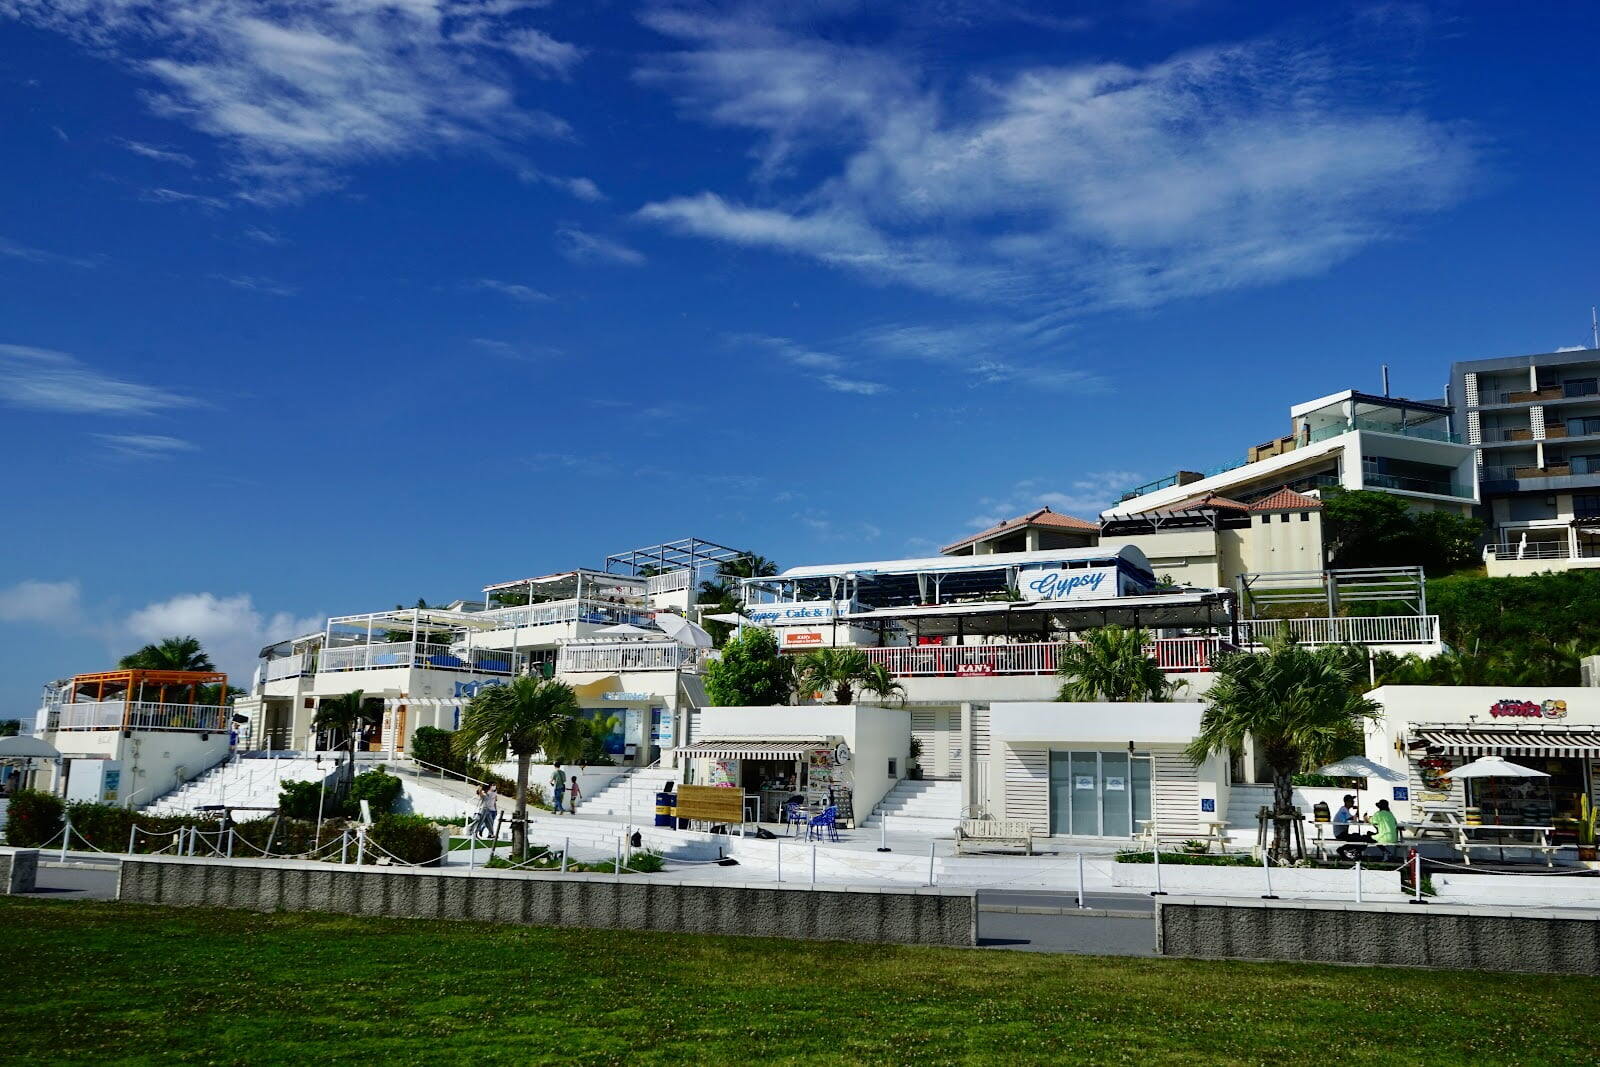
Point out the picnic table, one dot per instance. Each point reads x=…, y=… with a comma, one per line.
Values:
x=1542, y=834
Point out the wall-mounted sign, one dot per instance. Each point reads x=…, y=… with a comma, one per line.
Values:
x=1061, y=583
x=966, y=669
x=1402, y=792
x=1116, y=785
x=638, y=697
x=1208, y=804
x=930, y=640
x=1083, y=781
x=802, y=639
x=790, y=614
x=1435, y=772
x=1528, y=709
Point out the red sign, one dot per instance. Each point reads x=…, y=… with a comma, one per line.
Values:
x=802, y=639
x=965, y=669
x=930, y=640
x=1528, y=709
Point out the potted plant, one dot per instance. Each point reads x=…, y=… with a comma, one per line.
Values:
x=914, y=771
x=1587, y=817
x=1196, y=848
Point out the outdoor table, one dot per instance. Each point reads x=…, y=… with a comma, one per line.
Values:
x=1543, y=844
x=1441, y=819
x=1217, y=829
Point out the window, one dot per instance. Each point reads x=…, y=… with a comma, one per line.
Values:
x=1305, y=516
x=1283, y=516
x=892, y=765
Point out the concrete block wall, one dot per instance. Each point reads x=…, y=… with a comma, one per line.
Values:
x=1436, y=936
x=19, y=868
x=608, y=902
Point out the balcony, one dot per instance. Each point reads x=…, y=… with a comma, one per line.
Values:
x=1554, y=470
x=1532, y=396
x=1353, y=630
x=1432, y=486
x=597, y=612
x=613, y=656
x=1174, y=655
x=409, y=654
x=1540, y=550
x=290, y=666
x=137, y=715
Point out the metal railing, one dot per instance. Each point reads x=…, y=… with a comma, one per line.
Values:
x=1176, y=654
x=1416, y=485
x=1424, y=432
x=600, y=612
x=139, y=715
x=670, y=582
x=1540, y=550
x=1354, y=629
x=292, y=666
x=417, y=654
x=622, y=656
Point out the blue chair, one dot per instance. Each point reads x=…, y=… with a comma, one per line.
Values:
x=826, y=823
x=791, y=817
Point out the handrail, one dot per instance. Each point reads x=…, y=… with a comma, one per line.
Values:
x=446, y=770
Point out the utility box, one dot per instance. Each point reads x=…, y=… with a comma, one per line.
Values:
x=94, y=781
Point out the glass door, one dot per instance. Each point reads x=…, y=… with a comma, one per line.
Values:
x=1060, y=793
x=1116, y=813
x=1086, y=794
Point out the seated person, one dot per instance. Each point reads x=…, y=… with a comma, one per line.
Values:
x=1386, y=825
x=1341, y=830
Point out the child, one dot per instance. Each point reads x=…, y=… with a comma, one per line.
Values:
x=572, y=807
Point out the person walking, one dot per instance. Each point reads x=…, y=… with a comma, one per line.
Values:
x=488, y=810
x=572, y=804
x=558, y=788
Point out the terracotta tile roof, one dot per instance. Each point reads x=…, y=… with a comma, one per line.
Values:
x=1205, y=500
x=1042, y=517
x=1286, y=499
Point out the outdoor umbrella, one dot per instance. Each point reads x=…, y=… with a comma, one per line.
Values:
x=25, y=746
x=1360, y=767
x=625, y=629
x=1494, y=767
x=684, y=632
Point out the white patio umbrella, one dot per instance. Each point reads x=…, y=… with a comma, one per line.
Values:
x=26, y=746
x=1494, y=767
x=1360, y=767
x=683, y=631
x=625, y=629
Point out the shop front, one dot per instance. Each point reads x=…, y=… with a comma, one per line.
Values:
x=815, y=773
x=1428, y=732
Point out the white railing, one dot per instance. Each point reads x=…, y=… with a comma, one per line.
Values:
x=1176, y=655
x=408, y=654
x=600, y=612
x=140, y=715
x=622, y=656
x=1355, y=630
x=1538, y=550
x=288, y=667
x=670, y=582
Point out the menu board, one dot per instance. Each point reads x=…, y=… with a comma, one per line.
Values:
x=830, y=780
x=710, y=803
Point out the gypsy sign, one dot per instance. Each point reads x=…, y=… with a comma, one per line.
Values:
x=1528, y=709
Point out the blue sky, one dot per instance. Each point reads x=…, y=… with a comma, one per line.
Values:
x=322, y=306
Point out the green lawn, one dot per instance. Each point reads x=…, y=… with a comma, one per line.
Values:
x=109, y=982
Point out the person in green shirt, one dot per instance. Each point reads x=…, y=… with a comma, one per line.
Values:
x=558, y=788
x=1386, y=826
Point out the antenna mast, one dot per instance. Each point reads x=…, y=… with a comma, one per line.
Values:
x=1594, y=326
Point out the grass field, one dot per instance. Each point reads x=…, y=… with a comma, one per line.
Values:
x=108, y=982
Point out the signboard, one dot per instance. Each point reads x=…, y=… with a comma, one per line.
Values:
x=965, y=669
x=1402, y=792
x=1208, y=804
x=1116, y=785
x=1435, y=772
x=1528, y=709
x=802, y=639
x=1062, y=583
x=637, y=698
x=791, y=614
x=930, y=640
x=1083, y=781
x=710, y=803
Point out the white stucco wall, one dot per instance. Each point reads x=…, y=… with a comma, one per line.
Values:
x=151, y=759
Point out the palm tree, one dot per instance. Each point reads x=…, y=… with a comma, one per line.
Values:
x=527, y=716
x=169, y=654
x=1110, y=664
x=838, y=669
x=345, y=714
x=1303, y=707
x=881, y=684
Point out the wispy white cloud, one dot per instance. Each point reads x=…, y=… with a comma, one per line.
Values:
x=515, y=290
x=579, y=187
x=824, y=366
x=231, y=628
x=163, y=155
x=58, y=604
x=582, y=247
x=28, y=254
x=145, y=445
x=265, y=237
x=1060, y=187
x=251, y=283
x=297, y=92
x=178, y=196
x=1084, y=497
x=44, y=380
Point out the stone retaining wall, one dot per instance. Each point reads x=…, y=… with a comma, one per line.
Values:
x=1399, y=935
x=19, y=867
x=608, y=902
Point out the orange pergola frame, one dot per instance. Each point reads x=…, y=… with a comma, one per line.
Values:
x=135, y=685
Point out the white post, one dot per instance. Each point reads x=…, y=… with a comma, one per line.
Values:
x=472, y=848
x=1358, y=882
x=344, y=847
x=132, y=832
x=617, y=868
x=780, y=861
x=813, y=864
x=66, y=836
x=1080, y=881
x=1416, y=879
x=1155, y=856
x=931, y=879
x=1266, y=869
x=566, y=847
x=361, y=848
x=883, y=834
x=230, y=842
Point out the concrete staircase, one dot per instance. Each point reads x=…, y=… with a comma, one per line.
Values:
x=248, y=783
x=613, y=799
x=1243, y=803
x=918, y=807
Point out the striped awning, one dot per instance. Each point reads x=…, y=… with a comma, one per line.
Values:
x=425, y=702
x=1533, y=742
x=788, y=749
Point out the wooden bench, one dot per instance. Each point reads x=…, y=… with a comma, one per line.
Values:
x=994, y=832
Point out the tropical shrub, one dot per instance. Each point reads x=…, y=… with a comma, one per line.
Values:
x=751, y=672
x=411, y=838
x=32, y=818
x=429, y=744
x=378, y=788
x=299, y=800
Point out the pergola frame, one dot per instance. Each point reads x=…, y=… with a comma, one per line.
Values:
x=1400, y=585
x=690, y=553
x=133, y=685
